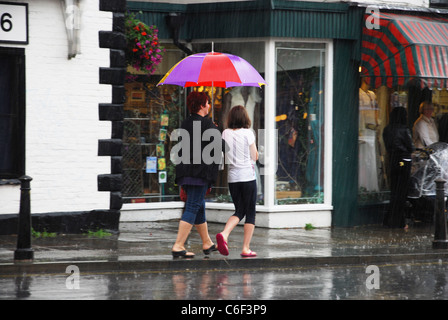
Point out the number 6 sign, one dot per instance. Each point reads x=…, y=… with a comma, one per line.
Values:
x=13, y=22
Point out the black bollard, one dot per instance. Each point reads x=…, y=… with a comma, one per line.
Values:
x=24, y=252
x=440, y=230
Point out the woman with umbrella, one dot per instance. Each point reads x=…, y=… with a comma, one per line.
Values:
x=212, y=69
x=195, y=178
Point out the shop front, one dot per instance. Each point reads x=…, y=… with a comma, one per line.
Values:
x=404, y=61
x=334, y=73
x=292, y=116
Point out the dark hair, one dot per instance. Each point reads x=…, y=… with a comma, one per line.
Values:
x=238, y=118
x=398, y=115
x=196, y=100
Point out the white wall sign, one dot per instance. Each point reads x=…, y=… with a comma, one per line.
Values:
x=13, y=22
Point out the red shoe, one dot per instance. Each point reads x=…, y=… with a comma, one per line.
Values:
x=250, y=254
x=222, y=245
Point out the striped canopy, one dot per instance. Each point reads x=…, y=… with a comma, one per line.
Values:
x=403, y=48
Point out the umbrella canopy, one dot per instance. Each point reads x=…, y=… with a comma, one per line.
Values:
x=213, y=69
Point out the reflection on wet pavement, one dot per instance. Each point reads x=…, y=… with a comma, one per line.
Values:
x=424, y=280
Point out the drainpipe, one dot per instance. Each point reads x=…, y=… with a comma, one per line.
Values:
x=174, y=22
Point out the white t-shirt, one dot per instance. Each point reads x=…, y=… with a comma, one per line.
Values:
x=241, y=166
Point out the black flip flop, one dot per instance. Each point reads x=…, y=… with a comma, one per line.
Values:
x=181, y=254
x=209, y=250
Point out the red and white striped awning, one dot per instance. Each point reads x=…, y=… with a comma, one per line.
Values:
x=403, y=48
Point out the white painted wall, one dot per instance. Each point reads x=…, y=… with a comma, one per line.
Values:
x=62, y=124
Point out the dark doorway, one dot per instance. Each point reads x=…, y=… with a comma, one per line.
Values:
x=12, y=113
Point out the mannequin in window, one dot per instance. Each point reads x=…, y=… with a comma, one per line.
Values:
x=368, y=126
x=248, y=97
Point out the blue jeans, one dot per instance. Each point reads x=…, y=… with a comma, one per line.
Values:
x=194, y=212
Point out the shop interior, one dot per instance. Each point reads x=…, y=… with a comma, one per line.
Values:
x=375, y=105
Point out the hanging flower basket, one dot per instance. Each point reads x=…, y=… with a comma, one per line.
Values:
x=143, y=50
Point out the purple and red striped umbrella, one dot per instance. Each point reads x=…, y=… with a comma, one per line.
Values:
x=213, y=69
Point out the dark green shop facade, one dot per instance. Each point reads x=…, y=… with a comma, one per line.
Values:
x=310, y=55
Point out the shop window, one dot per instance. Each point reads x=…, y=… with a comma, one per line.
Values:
x=151, y=113
x=12, y=113
x=375, y=105
x=300, y=122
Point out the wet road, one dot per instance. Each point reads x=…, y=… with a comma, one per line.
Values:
x=414, y=281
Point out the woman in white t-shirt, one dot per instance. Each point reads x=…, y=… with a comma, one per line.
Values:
x=241, y=154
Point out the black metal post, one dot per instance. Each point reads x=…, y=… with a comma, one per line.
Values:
x=440, y=230
x=24, y=252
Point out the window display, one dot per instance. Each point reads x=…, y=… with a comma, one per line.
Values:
x=375, y=106
x=151, y=113
x=300, y=119
x=368, y=138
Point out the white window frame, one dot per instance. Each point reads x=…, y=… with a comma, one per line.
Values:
x=271, y=137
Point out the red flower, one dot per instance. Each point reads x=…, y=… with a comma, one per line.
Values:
x=142, y=45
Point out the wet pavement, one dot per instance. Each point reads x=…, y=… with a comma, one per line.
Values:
x=147, y=246
x=324, y=263
x=425, y=280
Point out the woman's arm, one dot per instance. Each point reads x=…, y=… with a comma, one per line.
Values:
x=253, y=152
